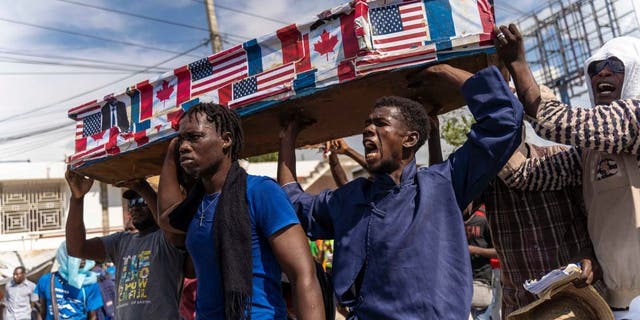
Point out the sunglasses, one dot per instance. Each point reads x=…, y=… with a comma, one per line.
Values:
x=136, y=202
x=614, y=64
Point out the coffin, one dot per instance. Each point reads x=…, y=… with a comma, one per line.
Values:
x=332, y=67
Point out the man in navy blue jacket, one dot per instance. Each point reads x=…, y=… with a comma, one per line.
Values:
x=400, y=245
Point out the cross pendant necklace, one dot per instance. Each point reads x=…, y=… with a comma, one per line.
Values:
x=201, y=217
x=202, y=211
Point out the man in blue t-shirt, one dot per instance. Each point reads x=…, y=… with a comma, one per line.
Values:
x=240, y=229
x=76, y=289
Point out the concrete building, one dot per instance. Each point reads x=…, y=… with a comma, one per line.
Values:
x=34, y=200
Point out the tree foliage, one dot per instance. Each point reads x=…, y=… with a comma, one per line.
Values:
x=267, y=157
x=454, y=130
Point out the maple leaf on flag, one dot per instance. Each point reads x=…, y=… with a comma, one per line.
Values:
x=326, y=44
x=164, y=93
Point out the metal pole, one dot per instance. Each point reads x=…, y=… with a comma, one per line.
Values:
x=216, y=39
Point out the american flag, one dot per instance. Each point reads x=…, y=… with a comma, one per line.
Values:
x=268, y=83
x=212, y=73
x=91, y=124
x=398, y=27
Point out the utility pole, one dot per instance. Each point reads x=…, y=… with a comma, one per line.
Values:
x=216, y=39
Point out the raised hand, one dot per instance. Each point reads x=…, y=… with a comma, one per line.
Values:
x=338, y=146
x=78, y=184
x=509, y=45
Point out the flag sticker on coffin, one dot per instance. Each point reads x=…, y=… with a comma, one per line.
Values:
x=272, y=82
x=212, y=73
x=398, y=27
x=331, y=45
x=274, y=50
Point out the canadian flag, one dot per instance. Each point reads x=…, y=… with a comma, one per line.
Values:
x=332, y=44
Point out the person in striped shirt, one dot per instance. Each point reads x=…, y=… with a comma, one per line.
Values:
x=607, y=136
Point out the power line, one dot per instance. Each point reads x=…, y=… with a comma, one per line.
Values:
x=65, y=73
x=179, y=24
x=16, y=149
x=174, y=23
x=35, y=132
x=67, y=58
x=88, y=36
x=75, y=65
x=22, y=115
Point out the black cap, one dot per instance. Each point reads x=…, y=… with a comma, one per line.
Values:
x=130, y=194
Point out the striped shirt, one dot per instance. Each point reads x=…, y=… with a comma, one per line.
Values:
x=537, y=231
x=609, y=138
x=613, y=128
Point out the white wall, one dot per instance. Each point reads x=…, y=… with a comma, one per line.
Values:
x=19, y=173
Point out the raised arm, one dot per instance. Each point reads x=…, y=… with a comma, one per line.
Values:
x=169, y=193
x=75, y=232
x=493, y=138
x=339, y=146
x=543, y=168
x=312, y=211
x=337, y=172
x=612, y=128
x=510, y=48
x=287, y=155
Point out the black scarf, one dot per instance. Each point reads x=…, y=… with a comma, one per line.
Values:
x=231, y=238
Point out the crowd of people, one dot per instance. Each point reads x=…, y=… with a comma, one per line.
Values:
x=405, y=243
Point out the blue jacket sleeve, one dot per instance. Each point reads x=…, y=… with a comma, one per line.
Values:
x=493, y=138
x=313, y=212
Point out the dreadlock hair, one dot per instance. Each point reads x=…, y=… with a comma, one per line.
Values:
x=415, y=117
x=224, y=120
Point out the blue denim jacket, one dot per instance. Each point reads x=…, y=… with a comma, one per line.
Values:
x=408, y=239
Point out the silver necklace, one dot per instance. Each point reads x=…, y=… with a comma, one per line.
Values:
x=201, y=217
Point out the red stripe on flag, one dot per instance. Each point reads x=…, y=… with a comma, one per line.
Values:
x=290, y=41
x=146, y=100
x=220, y=77
x=304, y=64
x=81, y=144
x=349, y=39
x=409, y=10
x=184, y=85
x=346, y=71
x=400, y=38
x=400, y=47
x=228, y=82
x=225, y=94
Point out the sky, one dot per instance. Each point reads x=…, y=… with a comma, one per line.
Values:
x=46, y=47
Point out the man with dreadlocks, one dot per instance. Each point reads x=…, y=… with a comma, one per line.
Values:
x=239, y=253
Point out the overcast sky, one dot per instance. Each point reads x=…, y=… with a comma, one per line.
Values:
x=36, y=96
